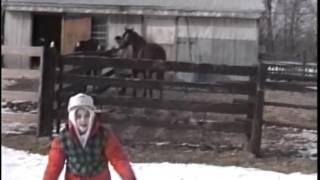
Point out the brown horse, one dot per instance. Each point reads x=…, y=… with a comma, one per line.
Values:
x=92, y=47
x=143, y=50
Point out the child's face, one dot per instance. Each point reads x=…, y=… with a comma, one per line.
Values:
x=82, y=117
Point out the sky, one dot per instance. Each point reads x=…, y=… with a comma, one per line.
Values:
x=21, y=165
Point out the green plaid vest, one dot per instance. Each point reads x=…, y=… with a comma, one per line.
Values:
x=85, y=162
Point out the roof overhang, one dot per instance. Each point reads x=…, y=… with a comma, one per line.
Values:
x=124, y=10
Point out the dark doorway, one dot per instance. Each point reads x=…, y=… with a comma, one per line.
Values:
x=46, y=29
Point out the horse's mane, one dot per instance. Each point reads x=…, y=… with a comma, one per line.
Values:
x=136, y=37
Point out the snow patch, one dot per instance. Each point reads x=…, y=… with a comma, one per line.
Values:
x=20, y=165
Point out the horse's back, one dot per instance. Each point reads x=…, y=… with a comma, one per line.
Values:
x=88, y=45
x=152, y=51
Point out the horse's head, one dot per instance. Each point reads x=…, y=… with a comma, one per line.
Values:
x=130, y=37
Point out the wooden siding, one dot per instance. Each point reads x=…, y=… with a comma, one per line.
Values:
x=74, y=29
x=216, y=41
x=17, y=32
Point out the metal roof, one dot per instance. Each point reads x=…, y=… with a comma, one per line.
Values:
x=249, y=8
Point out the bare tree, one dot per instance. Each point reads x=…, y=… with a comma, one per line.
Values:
x=289, y=28
x=269, y=9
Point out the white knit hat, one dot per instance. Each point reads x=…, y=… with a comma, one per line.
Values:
x=84, y=101
x=80, y=100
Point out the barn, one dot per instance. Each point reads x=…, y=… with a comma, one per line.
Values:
x=202, y=31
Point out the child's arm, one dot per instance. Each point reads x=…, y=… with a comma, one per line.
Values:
x=118, y=158
x=56, y=160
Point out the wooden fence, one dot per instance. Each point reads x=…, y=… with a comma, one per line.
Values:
x=14, y=73
x=68, y=75
x=290, y=77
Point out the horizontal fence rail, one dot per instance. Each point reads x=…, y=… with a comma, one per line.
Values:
x=97, y=61
x=195, y=106
x=235, y=87
x=22, y=51
x=291, y=86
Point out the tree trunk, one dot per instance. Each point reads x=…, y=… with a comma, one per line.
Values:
x=270, y=44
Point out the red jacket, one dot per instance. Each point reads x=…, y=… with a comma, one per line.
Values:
x=113, y=150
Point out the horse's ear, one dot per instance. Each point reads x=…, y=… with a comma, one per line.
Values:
x=129, y=29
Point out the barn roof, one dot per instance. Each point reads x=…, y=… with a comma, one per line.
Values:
x=240, y=8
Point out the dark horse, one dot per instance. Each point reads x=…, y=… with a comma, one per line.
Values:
x=92, y=47
x=143, y=50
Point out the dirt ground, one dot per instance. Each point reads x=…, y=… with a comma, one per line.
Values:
x=283, y=149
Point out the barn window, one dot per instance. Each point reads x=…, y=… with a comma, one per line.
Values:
x=99, y=29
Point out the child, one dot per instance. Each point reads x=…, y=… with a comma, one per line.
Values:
x=86, y=146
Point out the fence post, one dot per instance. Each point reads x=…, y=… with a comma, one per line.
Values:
x=256, y=125
x=47, y=92
x=58, y=95
x=251, y=100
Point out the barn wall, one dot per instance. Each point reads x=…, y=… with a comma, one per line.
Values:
x=216, y=41
x=219, y=41
x=194, y=39
x=17, y=32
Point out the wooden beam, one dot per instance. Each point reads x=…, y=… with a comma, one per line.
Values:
x=224, y=108
x=18, y=73
x=47, y=93
x=254, y=144
x=310, y=126
x=234, y=87
x=290, y=86
x=289, y=77
x=225, y=126
x=19, y=95
x=98, y=61
x=22, y=51
x=19, y=117
x=287, y=105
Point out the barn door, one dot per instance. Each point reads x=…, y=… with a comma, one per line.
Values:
x=74, y=29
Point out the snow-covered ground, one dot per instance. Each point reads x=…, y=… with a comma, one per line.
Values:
x=16, y=165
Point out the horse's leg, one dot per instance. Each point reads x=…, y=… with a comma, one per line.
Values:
x=145, y=76
x=160, y=76
x=123, y=89
x=85, y=87
x=96, y=72
x=150, y=77
x=135, y=75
